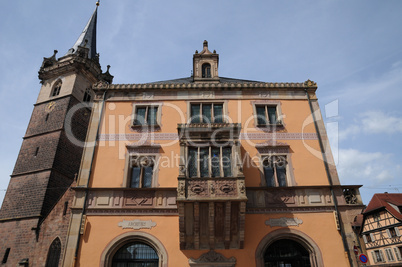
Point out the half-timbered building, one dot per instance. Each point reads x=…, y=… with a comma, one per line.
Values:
x=382, y=228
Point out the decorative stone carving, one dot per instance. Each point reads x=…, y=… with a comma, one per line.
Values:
x=350, y=195
x=281, y=197
x=242, y=187
x=137, y=224
x=181, y=189
x=147, y=95
x=207, y=94
x=283, y=222
x=212, y=258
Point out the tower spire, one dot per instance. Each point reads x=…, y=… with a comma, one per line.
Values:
x=88, y=37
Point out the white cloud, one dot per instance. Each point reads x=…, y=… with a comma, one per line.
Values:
x=379, y=122
x=370, y=122
x=368, y=168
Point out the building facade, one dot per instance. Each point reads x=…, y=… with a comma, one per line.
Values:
x=381, y=230
x=197, y=171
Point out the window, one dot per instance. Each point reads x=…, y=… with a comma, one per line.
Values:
x=206, y=112
x=5, y=257
x=136, y=254
x=398, y=253
x=209, y=161
x=286, y=252
x=274, y=168
x=390, y=255
x=376, y=217
x=377, y=256
x=267, y=115
x=391, y=232
x=53, y=255
x=141, y=171
x=146, y=115
x=56, y=89
x=87, y=95
x=206, y=70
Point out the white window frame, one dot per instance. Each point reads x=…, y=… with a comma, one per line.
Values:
x=390, y=255
x=397, y=251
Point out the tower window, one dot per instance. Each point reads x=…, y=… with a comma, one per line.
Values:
x=206, y=70
x=56, y=88
x=47, y=117
x=87, y=95
x=5, y=257
x=36, y=152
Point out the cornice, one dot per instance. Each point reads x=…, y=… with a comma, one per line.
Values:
x=310, y=85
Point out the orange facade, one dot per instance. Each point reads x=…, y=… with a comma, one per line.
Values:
x=210, y=171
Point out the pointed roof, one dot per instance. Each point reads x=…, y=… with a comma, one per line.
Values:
x=88, y=37
x=390, y=202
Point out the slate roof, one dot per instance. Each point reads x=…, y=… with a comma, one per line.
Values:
x=88, y=35
x=390, y=202
x=190, y=80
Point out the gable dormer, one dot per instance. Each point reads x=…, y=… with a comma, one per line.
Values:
x=205, y=65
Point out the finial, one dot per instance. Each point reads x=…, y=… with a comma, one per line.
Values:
x=205, y=43
x=97, y=3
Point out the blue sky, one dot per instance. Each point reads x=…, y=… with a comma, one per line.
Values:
x=352, y=49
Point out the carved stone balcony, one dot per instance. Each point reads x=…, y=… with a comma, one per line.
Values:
x=211, y=212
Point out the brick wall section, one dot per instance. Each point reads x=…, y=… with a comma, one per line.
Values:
x=28, y=162
x=38, y=123
x=25, y=195
x=18, y=236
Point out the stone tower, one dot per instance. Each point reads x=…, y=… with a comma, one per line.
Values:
x=35, y=213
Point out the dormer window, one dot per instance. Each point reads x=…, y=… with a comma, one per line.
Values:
x=56, y=88
x=206, y=70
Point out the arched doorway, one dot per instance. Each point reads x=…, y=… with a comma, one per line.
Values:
x=53, y=256
x=134, y=249
x=275, y=247
x=286, y=253
x=135, y=254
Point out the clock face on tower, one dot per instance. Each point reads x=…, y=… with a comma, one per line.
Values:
x=50, y=106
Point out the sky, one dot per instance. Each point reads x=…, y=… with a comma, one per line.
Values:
x=352, y=49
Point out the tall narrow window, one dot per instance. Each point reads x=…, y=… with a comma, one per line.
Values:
x=56, y=88
x=5, y=257
x=206, y=112
x=209, y=161
x=146, y=115
x=142, y=170
x=87, y=95
x=206, y=70
x=267, y=115
x=53, y=255
x=36, y=151
x=275, y=171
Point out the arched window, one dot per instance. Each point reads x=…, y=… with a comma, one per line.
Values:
x=53, y=256
x=286, y=252
x=56, y=88
x=206, y=70
x=135, y=254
